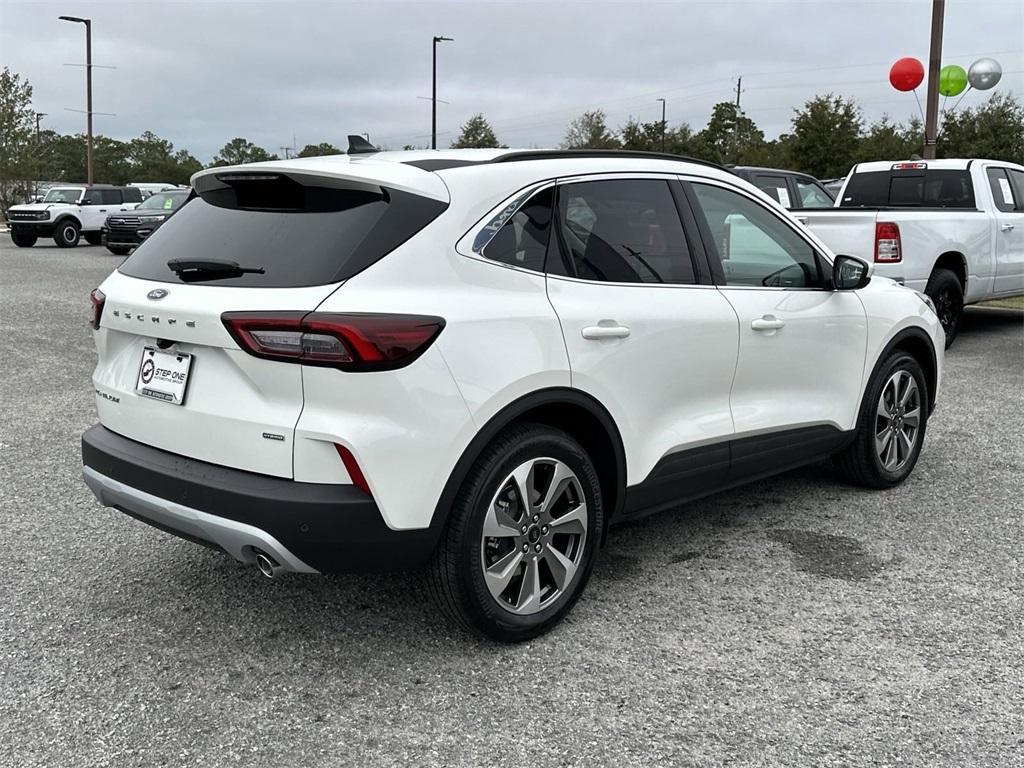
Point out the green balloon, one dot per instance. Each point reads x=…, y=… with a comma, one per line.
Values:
x=952, y=80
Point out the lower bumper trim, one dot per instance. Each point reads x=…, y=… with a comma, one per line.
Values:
x=239, y=540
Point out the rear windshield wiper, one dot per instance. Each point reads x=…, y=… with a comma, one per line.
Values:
x=209, y=269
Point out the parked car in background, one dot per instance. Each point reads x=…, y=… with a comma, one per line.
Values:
x=473, y=361
x=833, y=186
x=790, y=189
x=69, y=212
x=953, y=229
x=150, y=188
x=123, y=231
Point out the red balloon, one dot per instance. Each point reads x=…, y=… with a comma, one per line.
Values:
x=906, y=74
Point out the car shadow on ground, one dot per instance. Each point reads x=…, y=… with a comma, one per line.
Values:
x=298, y=610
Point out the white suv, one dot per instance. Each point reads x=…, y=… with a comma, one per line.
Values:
x=68, y=213
x=475, y=361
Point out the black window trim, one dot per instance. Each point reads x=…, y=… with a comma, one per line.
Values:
x=711, y=250
x=701, y=264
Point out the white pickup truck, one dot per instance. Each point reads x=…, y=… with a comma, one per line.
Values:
x=953, y=229
x=69, y=212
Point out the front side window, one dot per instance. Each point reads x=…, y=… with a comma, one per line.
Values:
x=755, y=247
x=1002, y=192
x=812, y=194
x=522, y=240
x=622, y=231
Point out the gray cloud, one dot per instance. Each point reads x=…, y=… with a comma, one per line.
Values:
x=200, y=73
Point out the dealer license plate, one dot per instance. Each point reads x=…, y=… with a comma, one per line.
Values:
x=163, y=375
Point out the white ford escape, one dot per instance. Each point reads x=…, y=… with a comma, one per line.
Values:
x=475, y=361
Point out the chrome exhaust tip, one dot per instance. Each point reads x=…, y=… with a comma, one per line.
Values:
x=268, y=566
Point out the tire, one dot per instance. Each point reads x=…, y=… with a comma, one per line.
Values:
x=93, y=238
x=867, y=460
x=519, y=611
x=945, y=290
x=66, y=233
x=118, y=250
x=23, y=239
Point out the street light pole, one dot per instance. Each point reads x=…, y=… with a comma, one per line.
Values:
x=433, y=95
x=931, y=121
x=88, y=92
x=663, y=125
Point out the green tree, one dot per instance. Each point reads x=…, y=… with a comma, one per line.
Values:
x=319, y=150
x=476, y=134
x=732, y=137
x=18, y=155
x=993, y=130
x=239, y=151
x=886, y=140
x=826, y=136
x=590, y=131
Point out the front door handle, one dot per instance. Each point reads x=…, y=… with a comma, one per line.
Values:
x=605, y=332
x=767, y=323
x=103, y=210
x=1006, y=227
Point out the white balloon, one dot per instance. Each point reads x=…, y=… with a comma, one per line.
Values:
x=984, y=74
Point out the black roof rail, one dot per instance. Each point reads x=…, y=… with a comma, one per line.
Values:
x=555, y=154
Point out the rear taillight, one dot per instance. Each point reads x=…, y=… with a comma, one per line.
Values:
x=888, y=248
x=347, y=342
x=97, y=299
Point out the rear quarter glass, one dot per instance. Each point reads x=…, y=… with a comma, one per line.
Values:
x=295, y=247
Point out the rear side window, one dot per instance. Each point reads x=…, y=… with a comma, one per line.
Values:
x=1017, y=177
x=110, y=196
x=522, y=240
x=1002, y=191
x=299, y=236
x=915, y=188
x=622, y=231
x=132, y=194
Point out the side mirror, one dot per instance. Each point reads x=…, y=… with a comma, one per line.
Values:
x=850, y=273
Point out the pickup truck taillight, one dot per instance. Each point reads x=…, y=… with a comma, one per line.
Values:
x=888, y=248
x=347, y=342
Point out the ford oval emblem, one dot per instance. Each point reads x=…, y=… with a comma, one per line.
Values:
x=156, y=293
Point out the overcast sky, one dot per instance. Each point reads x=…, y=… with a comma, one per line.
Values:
x=200, y=73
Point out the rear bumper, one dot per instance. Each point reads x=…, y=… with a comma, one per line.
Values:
x=306, y=527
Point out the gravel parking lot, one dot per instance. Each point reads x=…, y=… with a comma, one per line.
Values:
x=794, y=622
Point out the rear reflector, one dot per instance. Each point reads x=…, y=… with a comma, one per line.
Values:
x=346, y=342
x=888, y=246
x=97, y=300
x=352, y=467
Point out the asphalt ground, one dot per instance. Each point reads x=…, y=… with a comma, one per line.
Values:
x=795, y=622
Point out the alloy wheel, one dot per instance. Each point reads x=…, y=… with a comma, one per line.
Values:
x=534, y=536
x=897, y=421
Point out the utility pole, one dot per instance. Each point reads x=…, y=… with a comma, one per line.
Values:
x=39, y=116
x=739, y=90
x=931, y=121
x=433, y=95
x=88, y=92
x=663, y=126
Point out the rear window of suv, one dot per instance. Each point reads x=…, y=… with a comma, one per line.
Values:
x=316, y=237
x=908, y=189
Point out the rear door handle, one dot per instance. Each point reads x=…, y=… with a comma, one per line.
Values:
x=103, y=210
x=605, y=332
x=767, y=323
x=1006, y=227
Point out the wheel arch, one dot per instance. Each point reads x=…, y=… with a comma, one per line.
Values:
x=915, y=342
x=64, y=217
x=570, y=410
x=956, y=263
